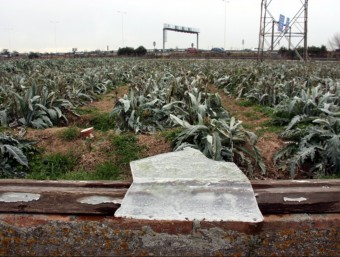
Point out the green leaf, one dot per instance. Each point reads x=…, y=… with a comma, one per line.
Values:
x=3, y=118
x=53, y=115
x=16, y=153
x=126, y=104
x=39, y=123
x=193, y=99
x=295, y=120
x=183, y=123
x=172, y=104
x=333, y=151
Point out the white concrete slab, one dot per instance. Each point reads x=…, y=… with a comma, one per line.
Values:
x=186, y=185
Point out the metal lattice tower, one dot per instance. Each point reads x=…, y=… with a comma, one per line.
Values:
x=296, y=28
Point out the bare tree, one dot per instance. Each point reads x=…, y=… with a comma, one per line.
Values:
x=334, y=42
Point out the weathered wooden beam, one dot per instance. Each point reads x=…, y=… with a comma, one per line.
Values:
x=104, y=197
x=65, y=183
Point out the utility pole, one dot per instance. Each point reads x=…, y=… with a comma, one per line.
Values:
x=122, y=13
x=225, y=21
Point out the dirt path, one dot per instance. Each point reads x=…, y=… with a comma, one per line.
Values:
x=108, y=101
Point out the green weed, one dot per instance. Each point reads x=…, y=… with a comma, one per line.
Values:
x=104, y=171
x=269, y=127
x=252, y=115
x=322, y=176
x=102, y=121
x=171, y=134
x=51, y=166
x=126, y=149
x=99, y=120
x=87, y=110
x=245, y=103
x=70, y=133
x=268, y=111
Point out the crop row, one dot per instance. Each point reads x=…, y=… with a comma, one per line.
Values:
x=164, y=94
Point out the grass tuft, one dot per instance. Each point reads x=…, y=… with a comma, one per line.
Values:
x=126, y=149
x=102, y=121
x=51, y=166
x=70, y=133
x=171, y=134
x=104, y=171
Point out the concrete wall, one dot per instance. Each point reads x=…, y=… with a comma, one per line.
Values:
x=278, y=235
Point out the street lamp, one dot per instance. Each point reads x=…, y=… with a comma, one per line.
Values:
x=55, y=34
x=225, y=19
x=122, y=13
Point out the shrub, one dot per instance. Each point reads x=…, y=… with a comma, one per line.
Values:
x=140, y=51
x=126, y=51
x=33, y=55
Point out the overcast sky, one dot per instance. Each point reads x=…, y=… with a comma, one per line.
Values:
x=49, y=25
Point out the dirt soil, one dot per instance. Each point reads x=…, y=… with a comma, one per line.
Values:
x=90, y=155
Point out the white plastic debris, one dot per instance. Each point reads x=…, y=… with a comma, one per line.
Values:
x=186, y=185
x=299, y=199
x=13, y=197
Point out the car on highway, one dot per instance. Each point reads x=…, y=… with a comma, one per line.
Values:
x=217, y=50
x=192, y=50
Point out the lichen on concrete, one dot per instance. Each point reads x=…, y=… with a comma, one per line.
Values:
x=278, y=235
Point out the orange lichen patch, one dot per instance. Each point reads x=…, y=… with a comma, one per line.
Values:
x=124, y=247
